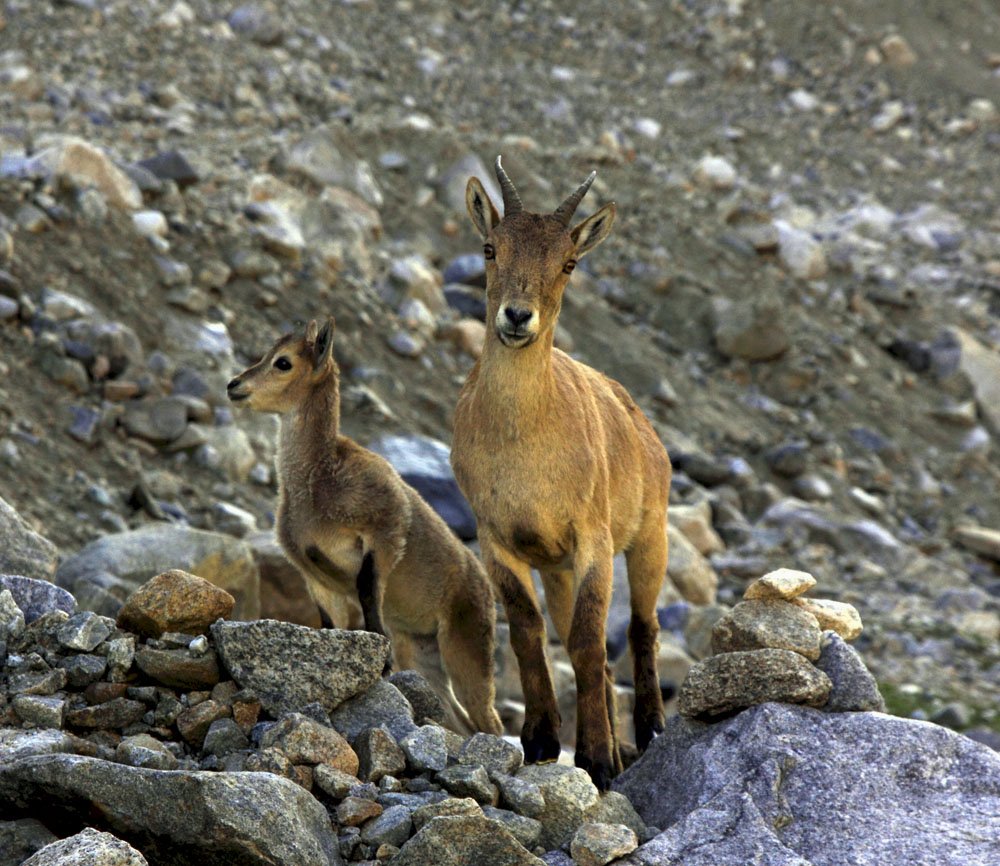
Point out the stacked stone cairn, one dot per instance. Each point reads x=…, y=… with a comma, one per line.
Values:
x=777, y=645
x=171, y=735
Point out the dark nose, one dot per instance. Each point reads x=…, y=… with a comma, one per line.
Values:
x=516, y=317
x=233, y=383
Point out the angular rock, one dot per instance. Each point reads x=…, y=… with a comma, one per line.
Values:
x=526, y=830
x=466, y=781
x=288, y=666
x=599, y=844
x=463, y=840
x=20, y=839
x=40, y=711
x=142, y=750
x=36, y=597
x=519, y=795
x=426, y=749
x=179, y=669
x=836, y=616
x=82, y=670
x=427, y=706
x=424, y=464
x=695, y=521
x=392, y=827
x=450, y=807
x=83, y=631
x=782, y=583
x=800, y=252
x=735, y=680
x=119, y=564
x=116, y=713
x=354, y=811
x=223, y=737
x=24, y=552
x=898, y=791
x=336, y=783
x=854, y=688
x=209, y=818
x=11, y=618
x=175, y=601
x=194, y=723
x=767, y=623
x=88, y=848
x=308, y=742
x=381, y=704
x=493, y=753
x=569, y=794
x=614, y=808
x=172, y=165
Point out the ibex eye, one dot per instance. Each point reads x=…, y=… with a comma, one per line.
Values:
x=283, y=363
x=489, y=252
x=568, y=267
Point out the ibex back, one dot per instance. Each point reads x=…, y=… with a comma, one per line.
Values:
x=562, y=470
x=352, y=526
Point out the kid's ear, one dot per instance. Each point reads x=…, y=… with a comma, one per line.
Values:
x=482, y=211
x=311, y=330
x=322, y=343
x=593, y=229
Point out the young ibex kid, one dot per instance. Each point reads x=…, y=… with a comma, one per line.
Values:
x=351, y=525
x=562, y=470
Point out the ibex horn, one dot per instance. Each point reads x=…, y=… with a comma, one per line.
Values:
x=511, y=200
x=566, y=210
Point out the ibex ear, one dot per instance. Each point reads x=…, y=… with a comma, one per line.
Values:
x=482, y=212
x=593, y=229
x=311, y=330
x=323, y=343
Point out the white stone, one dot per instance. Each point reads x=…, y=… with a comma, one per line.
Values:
x=803, y=100
x=150, y=223
x=714, y=172
x=800, y=252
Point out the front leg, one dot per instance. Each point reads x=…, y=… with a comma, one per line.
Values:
x=595, y=746
x=512, y=578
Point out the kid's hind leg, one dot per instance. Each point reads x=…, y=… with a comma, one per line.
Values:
x=426, y=659
x=466, y=639
x=647, y=569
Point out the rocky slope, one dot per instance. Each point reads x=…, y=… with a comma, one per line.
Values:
x=800, y=291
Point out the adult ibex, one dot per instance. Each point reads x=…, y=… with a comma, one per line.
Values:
x=351, y=525
x=562, y=470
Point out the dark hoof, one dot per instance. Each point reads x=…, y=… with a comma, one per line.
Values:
x=644, y=734
x=601, y=771
x=539, y=747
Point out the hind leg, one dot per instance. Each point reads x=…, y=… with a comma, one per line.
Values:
x=424, y=655
x=647, y=569
x=466, y=638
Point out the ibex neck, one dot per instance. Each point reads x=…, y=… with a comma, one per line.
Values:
x=309, y=431
x=516, y=383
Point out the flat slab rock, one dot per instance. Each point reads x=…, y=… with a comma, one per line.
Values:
x=215, y=819
x=732, y=681
x=289, y=666
x=841, y=788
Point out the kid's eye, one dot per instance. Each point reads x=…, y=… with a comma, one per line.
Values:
x=568, y=267
x=283, y=363
x=489, y=252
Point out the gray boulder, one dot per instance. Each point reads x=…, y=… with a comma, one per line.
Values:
x=109, y=569
x=288, y=666
x=24, y=551
x=36, y=597
x=88, y=848
x=380, y=705
x=215, y=819
x=424, y=464
x=842, y=788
